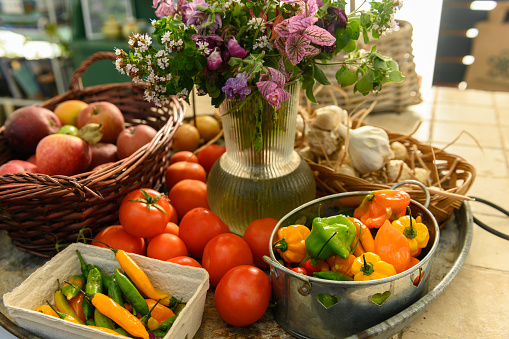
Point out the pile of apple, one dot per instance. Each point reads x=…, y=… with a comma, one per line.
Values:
x=74, y=138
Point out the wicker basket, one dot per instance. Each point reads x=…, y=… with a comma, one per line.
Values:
x=47, y=211
x=453, y=174
x=395, y=97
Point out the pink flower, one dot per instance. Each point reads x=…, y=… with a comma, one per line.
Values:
x=271, y=85
x=214, y=60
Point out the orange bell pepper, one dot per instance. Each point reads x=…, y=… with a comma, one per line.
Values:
x=291, y=244
x=382, y=205
x=392, y=246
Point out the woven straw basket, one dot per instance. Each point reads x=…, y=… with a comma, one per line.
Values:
x=449, y=172
x=394, y=96
x=45, y=211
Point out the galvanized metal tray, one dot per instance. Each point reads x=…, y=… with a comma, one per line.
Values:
x=455, y=242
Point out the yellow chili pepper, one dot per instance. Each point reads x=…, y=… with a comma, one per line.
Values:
x=63, y=305
x=46, y=309
x=119, y=315
x=344, y=266
x=138, y=277
x=291, y=244
x=369, y=266
x=415, y=231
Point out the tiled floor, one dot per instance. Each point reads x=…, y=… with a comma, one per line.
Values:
x=476, y=303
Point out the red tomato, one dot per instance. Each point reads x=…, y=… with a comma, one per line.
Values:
x=184, y=170
x=183, y=156
x=223, y=252
x=188, y=194
x=170, y=228
x=118, y=238
x=165, y=246
x=208, y=155
x=185, y=260
x=257, y=236
x=311, y=266
x=392, y=247
x=142, y=218
x=197, y=227
x=300, y=270
x=242, y=296
x=174, y=216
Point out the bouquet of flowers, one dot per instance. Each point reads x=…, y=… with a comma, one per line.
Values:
x=230, y=48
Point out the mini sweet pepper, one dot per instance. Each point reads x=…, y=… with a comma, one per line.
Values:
x=330, y=236
x=415, y=231
x=291, y=244
x=381, y=205
x=369, y=266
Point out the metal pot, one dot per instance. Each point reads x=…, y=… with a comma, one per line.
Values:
x=358, y=304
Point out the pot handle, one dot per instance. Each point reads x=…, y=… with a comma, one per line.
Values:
x=275, y=263
x=418, y=183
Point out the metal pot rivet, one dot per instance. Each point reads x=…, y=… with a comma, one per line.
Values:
x=305, y=289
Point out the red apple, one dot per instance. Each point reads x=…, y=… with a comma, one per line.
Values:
x=63, y=154
x=11, y=168
x=26, y=126
x=27, y=166
x=103, y=153
x=106, y=114
x=133, y=138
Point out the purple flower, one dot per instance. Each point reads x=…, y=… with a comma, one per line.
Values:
x=335, y=18
x=192, y=16
x=237, y=86
x=235, y=49
x=214, y=60
x=271, y=85
x=165, y=8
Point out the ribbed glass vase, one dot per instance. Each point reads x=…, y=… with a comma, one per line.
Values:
x=247, y=183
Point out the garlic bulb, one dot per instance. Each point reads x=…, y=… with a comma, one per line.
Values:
x=398, y=170
x=400, y=151
x=329, y=117
x=322, y=142
x=422, y=175
x=368, y=146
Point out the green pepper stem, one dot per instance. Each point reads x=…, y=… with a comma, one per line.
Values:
x=325, y=244
x=60, y=314
x=367, y=267
x=87, y=295
x=410, y=232
x=281, y=245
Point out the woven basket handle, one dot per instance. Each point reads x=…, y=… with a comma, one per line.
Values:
x=76, y=83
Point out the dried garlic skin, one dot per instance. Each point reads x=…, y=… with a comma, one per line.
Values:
x=400, y=151
x=329, y=117
x=368, y=147
x=398, y=170
x=323, y=142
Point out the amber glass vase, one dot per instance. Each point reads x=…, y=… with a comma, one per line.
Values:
x=262, y=177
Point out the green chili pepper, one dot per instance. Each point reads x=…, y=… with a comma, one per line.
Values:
x=90, y=322
x=94, y=285
x=114, y=291
x=165, y=325
x=83, y=264
x=70, y=291
x=331, y=275
x=103, y=321
x=323, y=230
x=159, y=334
x=131, y=293
x=120, y=330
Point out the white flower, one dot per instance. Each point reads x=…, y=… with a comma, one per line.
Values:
x=183, y=94
x=256, y=23
x=263, y=42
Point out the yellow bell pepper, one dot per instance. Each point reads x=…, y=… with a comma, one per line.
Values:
x=369, y=266
x=415, y=231
x=291, y=244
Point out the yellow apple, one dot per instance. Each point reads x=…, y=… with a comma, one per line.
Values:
x=67, y=111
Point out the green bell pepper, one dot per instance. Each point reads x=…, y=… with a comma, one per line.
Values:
x=323, y=230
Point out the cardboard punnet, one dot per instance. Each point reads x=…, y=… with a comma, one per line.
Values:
x=184, y=282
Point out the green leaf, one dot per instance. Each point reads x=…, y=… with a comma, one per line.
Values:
x=179, y=62
x=345, y=77
x=356, y=30
x=365, y=35
x=343, y=36
x=379, y=63
x=320, y=75
x=365, y=84
x=350, y=47
x=396, y=76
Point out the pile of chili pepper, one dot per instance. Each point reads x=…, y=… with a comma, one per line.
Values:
x=380, y=239
x=124, y=303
